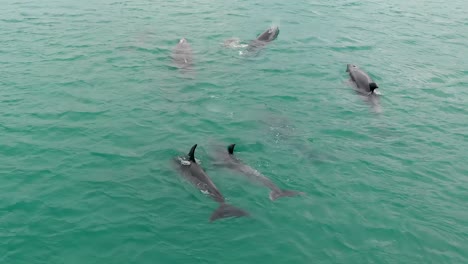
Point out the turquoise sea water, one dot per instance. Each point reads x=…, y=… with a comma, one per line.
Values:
x=93, y=110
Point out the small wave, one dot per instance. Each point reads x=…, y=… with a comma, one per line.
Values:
x=11, y=20
x=352, y=48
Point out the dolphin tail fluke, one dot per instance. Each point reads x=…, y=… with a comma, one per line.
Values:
x=226, y=210
x=283, y=193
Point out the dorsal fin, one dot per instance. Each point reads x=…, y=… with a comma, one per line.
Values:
x=231, y=148
x=373, y=86
x=191, y=153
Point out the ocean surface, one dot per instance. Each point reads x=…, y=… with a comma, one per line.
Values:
x=93, y=110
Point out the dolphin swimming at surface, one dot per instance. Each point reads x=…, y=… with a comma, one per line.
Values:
x=364, y=85
x=362, y=80
x=263, y=39
x=232, y=162
x=182, y=54
x=198, y=177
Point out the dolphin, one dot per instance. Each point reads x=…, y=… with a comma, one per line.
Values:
x=192, y=171
x=232, y=162
x=263, y=39
x=182, y=54
x=365, y=86
x=363, y=81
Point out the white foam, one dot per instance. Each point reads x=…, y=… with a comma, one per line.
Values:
x=183, y=161
x=241, y=46
x=234, y=43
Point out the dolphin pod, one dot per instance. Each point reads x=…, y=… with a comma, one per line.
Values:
x=182, y=58
x=195, y=174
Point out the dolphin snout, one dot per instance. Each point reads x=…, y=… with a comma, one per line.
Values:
x=349, y=66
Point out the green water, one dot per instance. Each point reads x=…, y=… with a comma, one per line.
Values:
x=93, y=110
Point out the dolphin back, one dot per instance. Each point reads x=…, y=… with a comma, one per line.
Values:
x=182, y=54
x=227, y=210
x=269, y=35
x=275, y=194
x=361, y=78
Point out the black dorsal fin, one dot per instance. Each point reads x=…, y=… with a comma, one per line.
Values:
x=231, y=148
x=373, y=86
x=191, y=153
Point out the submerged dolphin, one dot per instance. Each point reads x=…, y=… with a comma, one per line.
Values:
x=280, y=131
x=263, y=39
x=182, y=54
x=363, y=81
x=198, y=177
x=232, y=162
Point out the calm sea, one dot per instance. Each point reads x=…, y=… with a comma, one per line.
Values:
x=93, y=111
